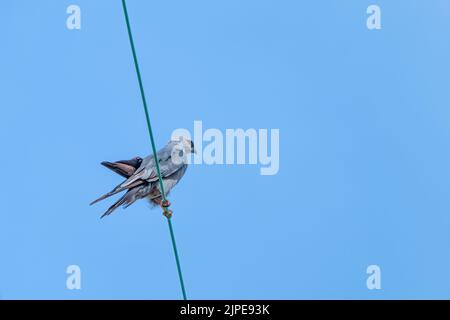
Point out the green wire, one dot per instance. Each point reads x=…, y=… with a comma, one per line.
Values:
x=155, y=156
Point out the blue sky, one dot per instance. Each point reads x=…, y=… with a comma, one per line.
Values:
x=364, y=126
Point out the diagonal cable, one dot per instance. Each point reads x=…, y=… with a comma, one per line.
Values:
x=155, y=156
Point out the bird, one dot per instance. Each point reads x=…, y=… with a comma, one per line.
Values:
x=125, y=168
x=141, y=177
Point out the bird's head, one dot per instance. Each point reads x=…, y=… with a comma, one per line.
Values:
x=188, y=144
x=136, y=162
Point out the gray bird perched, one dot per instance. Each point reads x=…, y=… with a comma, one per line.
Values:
x=141, y=175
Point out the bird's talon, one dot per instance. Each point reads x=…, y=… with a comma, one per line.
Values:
x=168, y=213
x=165, y=203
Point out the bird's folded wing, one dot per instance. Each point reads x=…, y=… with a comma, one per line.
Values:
x=120, y=167
x=146, y=173
x=169, y=167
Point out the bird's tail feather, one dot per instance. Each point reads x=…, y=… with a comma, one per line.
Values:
x=117, y=204
x=109, y=194
x=118, y=189
x=126, y=200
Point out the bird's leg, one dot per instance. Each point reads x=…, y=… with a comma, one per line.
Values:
x=167, y=213
x=165, y=204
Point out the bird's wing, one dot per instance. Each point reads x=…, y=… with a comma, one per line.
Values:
x=130, y=197
x=147, y=173
x=140, y=177
x=167, y=165
x=126, y=168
